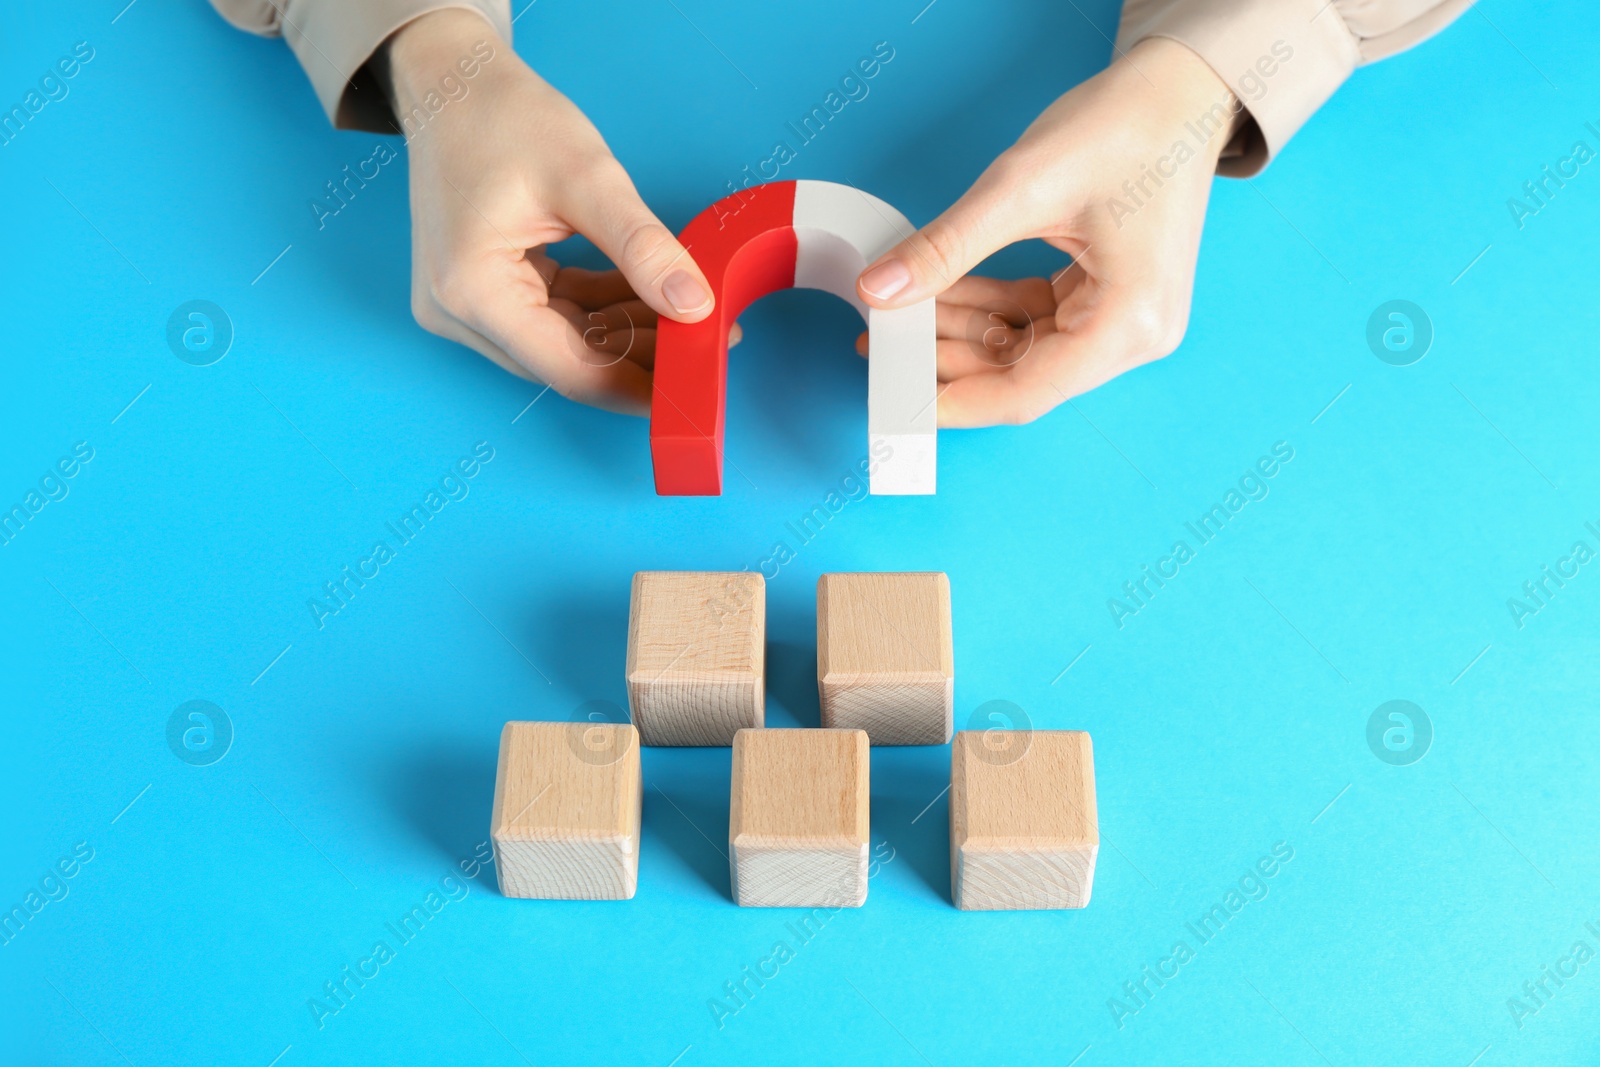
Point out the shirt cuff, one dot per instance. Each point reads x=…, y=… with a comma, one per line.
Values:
x=334, y=39
x=1281, y=58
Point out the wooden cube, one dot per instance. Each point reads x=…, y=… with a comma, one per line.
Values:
x=566, y=811
x=696, y=655
x=1023, y=828
x=885, y=660
x=798, y=821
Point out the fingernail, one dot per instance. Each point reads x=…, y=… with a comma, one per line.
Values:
x=885, y=280
x=685, y=293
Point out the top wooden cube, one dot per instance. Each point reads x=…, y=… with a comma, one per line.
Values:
x=885, y=657
x=696, y=655
x=1024, y=829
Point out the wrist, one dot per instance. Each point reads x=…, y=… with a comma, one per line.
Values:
x=451, y=43
x=1185, y=90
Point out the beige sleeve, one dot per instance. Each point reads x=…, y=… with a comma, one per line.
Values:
x=333, y=39
x=1283, y=58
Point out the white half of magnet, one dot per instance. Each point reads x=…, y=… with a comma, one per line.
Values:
x=841, y=229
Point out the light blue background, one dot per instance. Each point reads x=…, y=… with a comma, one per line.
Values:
x=1227, y=715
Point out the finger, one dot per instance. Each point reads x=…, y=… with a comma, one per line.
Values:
x=1060, y=367
x=630, y=314
x=591, y=288
x=933, y=259
x=629, y=330
x=1032, y=297
x=643, y=349
x=512, y=317
x=986, y=339
x=635, y=345
x=958, y=320
x=969, y=337
x=958, y=358
x=459, y=332
x=984, y=400
x=973, y=340
x=639, y=345
x=608, y=211
x=598, y=342
x=541, y=261
x=1001, y=319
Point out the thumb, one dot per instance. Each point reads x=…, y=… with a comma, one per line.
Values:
x=934, y=258
x=610, y=214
